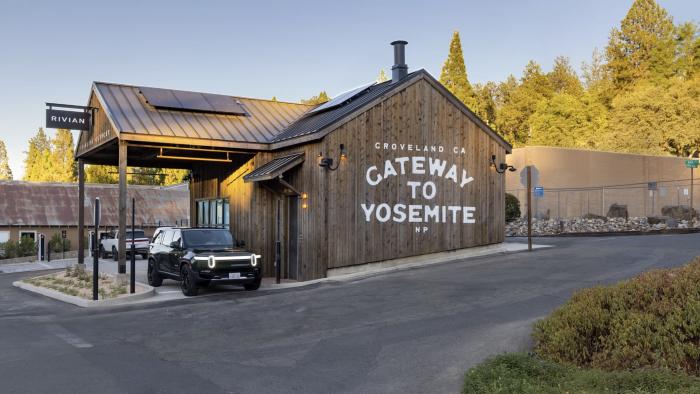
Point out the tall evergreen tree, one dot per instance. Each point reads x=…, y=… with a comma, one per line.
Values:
x=688, y=50
x=5, y=170
x=563, y=78
x=454, y=74
x=486, y=102
x=101, y=174
x=63, y=164
x=514, y=115
x=37, y=165
x=643, y=46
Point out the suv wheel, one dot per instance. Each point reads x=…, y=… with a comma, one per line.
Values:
x=253, y=286
x=103, y=253
x=187, y=282
x=144, y=256
x=154, y=278
x=115, y=255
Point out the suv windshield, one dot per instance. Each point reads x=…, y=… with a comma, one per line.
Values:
x=203, y=238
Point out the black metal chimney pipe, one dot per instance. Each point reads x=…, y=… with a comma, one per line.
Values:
x=399, y=70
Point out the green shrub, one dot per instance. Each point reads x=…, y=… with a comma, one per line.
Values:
x=26, y=247
x=512, y=208
x=650, y=321
x=56, y=243
x=522, y=373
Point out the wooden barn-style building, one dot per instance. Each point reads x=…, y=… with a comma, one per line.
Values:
x=385, y=171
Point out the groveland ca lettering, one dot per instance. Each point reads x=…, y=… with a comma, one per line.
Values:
x=414, y=167
x=67, y=119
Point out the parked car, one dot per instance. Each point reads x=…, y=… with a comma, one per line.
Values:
x=202, y=256
x=110, y=243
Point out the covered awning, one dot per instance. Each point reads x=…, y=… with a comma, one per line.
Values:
x=274, y=168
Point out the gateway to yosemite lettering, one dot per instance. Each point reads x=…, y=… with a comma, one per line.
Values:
x=417, y=213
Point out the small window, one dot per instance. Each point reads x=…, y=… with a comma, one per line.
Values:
x=177, y=237
x=168, y=238
x=4, y=236
x=28, y=234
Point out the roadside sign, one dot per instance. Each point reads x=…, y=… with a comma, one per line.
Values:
x=691, y=163
x=535, y=176
x=539, y=192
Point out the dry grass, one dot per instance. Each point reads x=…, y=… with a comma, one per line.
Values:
x=78, y=282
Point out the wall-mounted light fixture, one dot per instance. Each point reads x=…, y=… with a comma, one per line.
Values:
x=327, y=162
x=500, y=168
x=304, y=202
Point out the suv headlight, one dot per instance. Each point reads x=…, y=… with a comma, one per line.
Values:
x=253, y=260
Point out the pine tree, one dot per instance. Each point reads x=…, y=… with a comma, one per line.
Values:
x=5, y=170
x=513, y=116
x=63, y=164
x=382, y=76
x=643, y=46
x=486, y=102
x=688, y=50
x=563, y=78
x=37, y=165
x=316, y=100
x=101, y=174
x=454, y=74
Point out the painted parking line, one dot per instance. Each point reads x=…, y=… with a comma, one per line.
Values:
x=68, y=337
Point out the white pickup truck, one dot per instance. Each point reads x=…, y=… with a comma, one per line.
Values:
x=109, y=244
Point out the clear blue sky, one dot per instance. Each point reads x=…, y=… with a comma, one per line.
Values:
x=53, y=50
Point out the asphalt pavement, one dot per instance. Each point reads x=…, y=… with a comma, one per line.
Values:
x=415, y=330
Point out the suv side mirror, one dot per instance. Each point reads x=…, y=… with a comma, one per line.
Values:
x=175, y=244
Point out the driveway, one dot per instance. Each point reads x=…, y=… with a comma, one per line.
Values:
x=417, y=330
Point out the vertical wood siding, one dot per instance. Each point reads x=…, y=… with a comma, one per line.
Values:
x=333, y=231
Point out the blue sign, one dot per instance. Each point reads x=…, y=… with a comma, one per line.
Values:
x=539, y=192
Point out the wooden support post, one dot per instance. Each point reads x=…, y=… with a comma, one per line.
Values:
x=81, y=212
x=121, y=247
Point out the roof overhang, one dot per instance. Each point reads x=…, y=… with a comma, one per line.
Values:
x=274, y=168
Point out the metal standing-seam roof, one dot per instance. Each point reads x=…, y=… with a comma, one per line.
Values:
x=274, y=167
x=314, y=122
x=131, y=113
x=56, y=204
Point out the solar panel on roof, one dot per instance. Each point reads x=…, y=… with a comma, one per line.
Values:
x=192, y=101
x=341, y=98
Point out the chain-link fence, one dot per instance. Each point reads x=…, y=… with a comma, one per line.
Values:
x=628, y=207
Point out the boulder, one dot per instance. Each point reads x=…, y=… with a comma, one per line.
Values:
x=618, y=211
x=679, y=212
x=664, y=221
x=594, y=216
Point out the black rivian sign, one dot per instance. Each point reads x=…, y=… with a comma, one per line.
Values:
x=74, y=120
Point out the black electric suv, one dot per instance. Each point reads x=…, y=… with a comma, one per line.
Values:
x=201, y=256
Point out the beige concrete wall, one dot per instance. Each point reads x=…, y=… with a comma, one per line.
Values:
x=577, y=182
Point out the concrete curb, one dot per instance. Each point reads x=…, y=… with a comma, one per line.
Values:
x=615, y=233
x=83, y=303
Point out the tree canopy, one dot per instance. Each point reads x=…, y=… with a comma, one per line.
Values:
x=640, y=94
x=5, y=170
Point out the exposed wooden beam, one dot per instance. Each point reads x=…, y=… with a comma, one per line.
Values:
x=81, y=212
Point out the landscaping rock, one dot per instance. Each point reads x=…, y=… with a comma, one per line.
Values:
x=590, y=224
x=618, y=211
x=680, y=212
x=594, y=216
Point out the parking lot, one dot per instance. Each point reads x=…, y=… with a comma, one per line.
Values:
x=415, y=330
